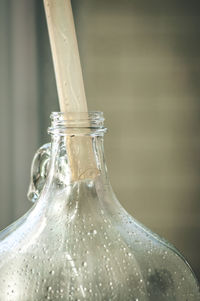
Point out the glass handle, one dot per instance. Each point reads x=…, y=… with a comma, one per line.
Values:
x=39, y=171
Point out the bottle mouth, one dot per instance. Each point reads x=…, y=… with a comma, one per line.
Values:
x=77, y=123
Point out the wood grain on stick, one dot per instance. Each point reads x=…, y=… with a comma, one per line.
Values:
x=70, y=84
x=65, y=54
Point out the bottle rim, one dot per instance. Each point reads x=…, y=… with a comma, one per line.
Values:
x=77, y=123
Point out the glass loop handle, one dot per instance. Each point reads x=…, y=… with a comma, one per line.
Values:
x=39, y=172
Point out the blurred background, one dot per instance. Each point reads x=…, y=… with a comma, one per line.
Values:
x=141, y=66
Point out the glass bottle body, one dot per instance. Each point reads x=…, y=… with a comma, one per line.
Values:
x=78, y=243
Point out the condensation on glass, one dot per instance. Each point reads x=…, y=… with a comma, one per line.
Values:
x=78, y=243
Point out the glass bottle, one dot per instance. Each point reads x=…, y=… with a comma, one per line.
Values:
x=77, y=242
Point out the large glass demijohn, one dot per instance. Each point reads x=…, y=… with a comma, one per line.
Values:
x=77, y=242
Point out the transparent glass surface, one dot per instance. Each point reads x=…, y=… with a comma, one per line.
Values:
x=78, y=243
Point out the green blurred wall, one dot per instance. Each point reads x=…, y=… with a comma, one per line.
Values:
x=141, y=67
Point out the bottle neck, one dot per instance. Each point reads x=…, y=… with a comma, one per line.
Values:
x=74, y=158
x=77, y=158
x=77, y=146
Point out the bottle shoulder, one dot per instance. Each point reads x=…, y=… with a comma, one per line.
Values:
x=95, y=245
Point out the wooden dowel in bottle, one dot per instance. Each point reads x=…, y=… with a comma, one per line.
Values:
x=69, y=81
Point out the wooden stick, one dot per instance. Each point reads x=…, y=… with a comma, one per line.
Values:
x=65, y=56
x=69, y=81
